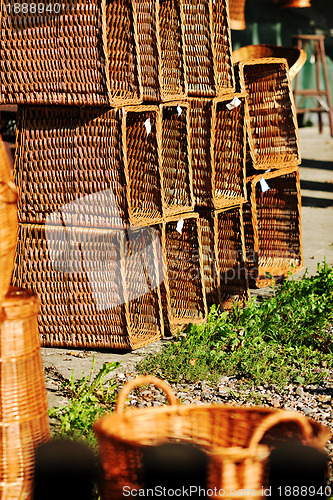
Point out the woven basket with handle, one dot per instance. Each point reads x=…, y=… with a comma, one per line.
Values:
x=8, y=222
x=237, y=439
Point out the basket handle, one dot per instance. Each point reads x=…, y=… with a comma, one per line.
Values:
x=141, y=380
x=277, y=418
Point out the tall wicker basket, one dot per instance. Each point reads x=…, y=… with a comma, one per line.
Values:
x=23, y=404
x=237, y=439
x=8, y=222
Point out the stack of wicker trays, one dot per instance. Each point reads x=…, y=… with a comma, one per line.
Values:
x=131, y=165
x=272, y=214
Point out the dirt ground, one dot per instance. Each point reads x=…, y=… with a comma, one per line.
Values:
x=317, y=234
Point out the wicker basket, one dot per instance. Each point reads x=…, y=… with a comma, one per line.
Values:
x=87, y=54
x=98, y=287
x=272, y=225
x=237, y=14
x=229, y=434
x=224, y=262
x=176, y=159
x=185, y=296
x=142, y=144
x=23, y=404
x=8, y=222
x=270, y=113
x=70, y=159
x=295, y=57
x=217, y=140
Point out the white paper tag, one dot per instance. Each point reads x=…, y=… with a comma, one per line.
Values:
x=312, y=59
x=148, y=126
x=264, y=186
x=180, y=225
x=234, y=103
x=179, y=110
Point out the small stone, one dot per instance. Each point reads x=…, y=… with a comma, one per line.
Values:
x=223, y=391
x=300, y=391
x=308, y=411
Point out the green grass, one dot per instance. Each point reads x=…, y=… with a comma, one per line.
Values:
x=281, y=340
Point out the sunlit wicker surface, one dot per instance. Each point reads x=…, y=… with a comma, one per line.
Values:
x=237, y=14
x=272, y=226
x=295, y=57
x=23, y=405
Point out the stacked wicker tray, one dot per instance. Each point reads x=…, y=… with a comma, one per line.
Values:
x=130, y=164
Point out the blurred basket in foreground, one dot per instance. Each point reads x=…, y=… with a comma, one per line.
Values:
x=272, y=130
x=295, y=57
x=237, y=439
x=272, y=226
x=8, y=222
x=23, y=405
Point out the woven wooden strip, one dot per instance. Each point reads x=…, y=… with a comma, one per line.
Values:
x=142, y=143
x=176, y=159
x=186, y=300
x=70, y=160
x=270, y=113
x=23, y=402
x=210, y=272
x=273, y=226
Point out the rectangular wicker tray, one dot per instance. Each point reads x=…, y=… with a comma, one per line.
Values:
x=270, y=113
x=272, y=225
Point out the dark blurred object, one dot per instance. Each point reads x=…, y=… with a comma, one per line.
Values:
x=176, y=466
x=287, y=4
x=64, y=470
x=8, y=123
x=298, y=471
x=237, y=15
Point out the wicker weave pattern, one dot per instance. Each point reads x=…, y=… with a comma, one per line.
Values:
x=198, y=51
x=273, y=238
x=183, y=274
x=23, y=403
x=229, y=153
x=231, y=259
x=149, y=49
x=217, y=139
x=172, y=57
x=66, y=154
x=87, y=285
x=295, y=57
x=224, y=73
x=63, y=59
x=142, y=164
x=8, y=222
x=210, y=272
x=271, y=113
x=176, y=159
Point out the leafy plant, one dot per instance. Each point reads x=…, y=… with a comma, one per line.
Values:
x=90, y=397
x=284, y=339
